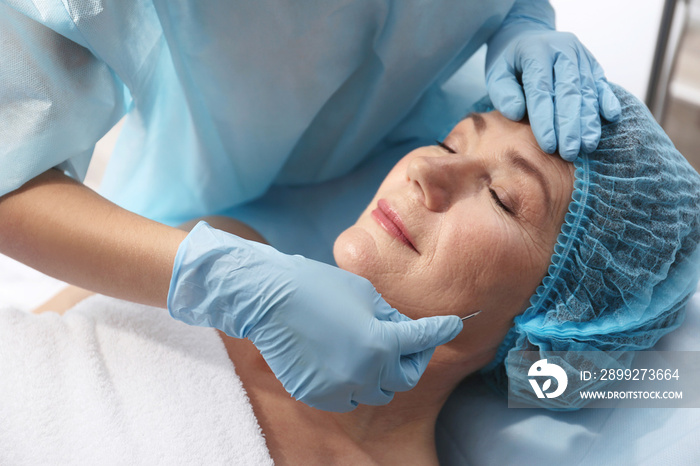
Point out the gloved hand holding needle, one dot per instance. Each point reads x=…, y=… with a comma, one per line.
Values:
x=327, y=334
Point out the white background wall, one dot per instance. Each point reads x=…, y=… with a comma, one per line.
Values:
x=621, y=34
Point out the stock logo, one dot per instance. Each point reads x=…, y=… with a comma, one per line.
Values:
x=544, y=369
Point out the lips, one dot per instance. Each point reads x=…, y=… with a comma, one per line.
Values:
x=391, y=222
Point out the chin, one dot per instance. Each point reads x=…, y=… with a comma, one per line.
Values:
x=350, y=251
x=356, y=251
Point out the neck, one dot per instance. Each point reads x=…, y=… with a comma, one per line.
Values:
x=406, y=426
x=402, y=432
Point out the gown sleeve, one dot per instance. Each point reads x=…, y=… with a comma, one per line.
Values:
x=57, y=98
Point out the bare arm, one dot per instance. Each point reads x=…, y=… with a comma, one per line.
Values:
x=64, y=229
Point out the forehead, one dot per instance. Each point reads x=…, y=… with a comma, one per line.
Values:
x=496, y=133
x=493, y=124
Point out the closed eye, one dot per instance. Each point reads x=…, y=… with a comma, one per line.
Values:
x=445, y=147
x=494, y=195
x=500, y=203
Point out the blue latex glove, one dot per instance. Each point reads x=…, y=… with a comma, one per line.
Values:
x=551, y=72
x=327, y=335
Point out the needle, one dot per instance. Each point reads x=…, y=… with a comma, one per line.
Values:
x=471, y=315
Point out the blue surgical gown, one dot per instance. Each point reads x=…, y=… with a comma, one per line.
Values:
x=222, y=99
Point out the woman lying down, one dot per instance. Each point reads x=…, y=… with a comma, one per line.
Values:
x=599, y=254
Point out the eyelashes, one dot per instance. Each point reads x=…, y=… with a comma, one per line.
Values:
x=500, y=203
x=445, y=147
x=494, y=195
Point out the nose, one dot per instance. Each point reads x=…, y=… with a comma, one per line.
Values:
x=442, y=179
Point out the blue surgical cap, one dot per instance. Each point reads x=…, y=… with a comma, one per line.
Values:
x=626, y=260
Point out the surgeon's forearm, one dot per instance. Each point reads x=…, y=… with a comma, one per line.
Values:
x=62, y=228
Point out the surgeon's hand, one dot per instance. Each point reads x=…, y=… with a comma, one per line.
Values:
x=327, y=335
x=561, y=83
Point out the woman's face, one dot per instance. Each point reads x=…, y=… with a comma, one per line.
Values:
x=470, y=225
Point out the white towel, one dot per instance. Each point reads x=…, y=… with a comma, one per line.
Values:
x=113, y=382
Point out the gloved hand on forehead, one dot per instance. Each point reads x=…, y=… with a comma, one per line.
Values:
x=552, y=74
x=326, y=333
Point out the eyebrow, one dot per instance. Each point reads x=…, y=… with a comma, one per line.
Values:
x=479, y=122
x=517, y=160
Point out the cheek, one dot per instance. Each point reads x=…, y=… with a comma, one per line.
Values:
x=461, y=268
x=476, y=264
x=511, y=275
x=449, y=280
